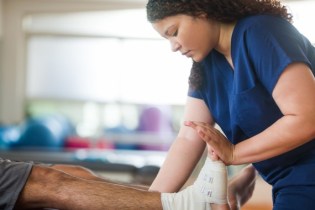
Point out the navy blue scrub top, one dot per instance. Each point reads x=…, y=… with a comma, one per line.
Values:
x=240, y=100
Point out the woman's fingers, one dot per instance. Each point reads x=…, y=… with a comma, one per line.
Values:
x=204, y=130
x=221, y=147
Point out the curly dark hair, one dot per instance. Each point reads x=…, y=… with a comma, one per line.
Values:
x=226, y=11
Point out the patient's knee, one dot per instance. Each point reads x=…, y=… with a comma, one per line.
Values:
x=42, y=187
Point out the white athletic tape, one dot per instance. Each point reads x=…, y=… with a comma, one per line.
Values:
x=209, y=187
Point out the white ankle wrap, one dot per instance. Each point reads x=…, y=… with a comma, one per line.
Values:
x=209, y=187
x=212, y=182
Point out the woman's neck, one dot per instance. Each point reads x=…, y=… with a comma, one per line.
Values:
x=225, y=40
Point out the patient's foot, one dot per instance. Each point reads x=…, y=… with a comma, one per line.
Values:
x=209, y=187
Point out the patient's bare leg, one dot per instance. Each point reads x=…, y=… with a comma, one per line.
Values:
x=47, y=187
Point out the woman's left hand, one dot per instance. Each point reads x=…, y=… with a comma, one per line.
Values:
x=217, y=142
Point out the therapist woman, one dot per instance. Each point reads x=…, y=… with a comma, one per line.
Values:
x=253, y=75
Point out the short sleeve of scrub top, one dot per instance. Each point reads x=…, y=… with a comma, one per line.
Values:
x=268, y=45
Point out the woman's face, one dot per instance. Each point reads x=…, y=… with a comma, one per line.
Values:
x=191, y=36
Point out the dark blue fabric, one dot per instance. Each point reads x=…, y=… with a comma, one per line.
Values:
x=294, y=198
x=240, y=100
x=295, y=188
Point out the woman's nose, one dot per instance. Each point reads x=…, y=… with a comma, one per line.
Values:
x=175, y=46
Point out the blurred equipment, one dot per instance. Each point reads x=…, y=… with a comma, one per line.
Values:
x=9, y=134
x=146, y=174
x=156, y=121
x=47, y=132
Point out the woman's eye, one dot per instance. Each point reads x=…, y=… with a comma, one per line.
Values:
x=172, y=31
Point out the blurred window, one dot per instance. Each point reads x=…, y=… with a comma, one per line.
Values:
x=104, y=57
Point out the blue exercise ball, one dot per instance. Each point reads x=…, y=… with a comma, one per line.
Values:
x=44, y=132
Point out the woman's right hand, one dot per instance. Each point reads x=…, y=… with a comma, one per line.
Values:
x=241, y=187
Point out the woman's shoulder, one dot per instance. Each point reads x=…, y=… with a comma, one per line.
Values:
x=262, y=25
x=261, y=21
